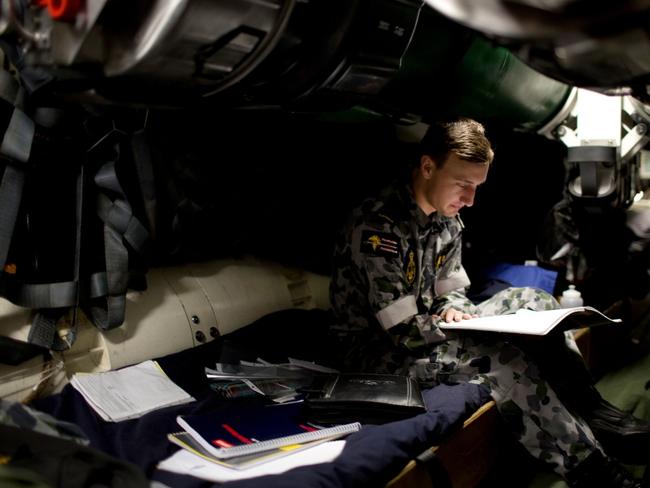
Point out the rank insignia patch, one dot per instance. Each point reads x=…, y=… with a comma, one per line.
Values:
x=379, y=244
x=409, y=267
x=442, y=256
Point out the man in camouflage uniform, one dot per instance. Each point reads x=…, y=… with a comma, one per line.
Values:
x=398, y=273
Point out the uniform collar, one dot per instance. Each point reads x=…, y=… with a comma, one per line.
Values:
x=424, y=221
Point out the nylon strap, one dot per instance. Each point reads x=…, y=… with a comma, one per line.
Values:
x=44, y=332
x=144, y=168
x=120, y=227
x=15, y=150
x=43, y=295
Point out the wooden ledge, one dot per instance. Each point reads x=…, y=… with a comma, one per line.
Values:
x=468, y=454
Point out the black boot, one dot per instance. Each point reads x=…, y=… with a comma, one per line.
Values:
x=598, y=471
x=622, y=435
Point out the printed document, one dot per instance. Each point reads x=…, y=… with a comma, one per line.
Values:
x=129, y=392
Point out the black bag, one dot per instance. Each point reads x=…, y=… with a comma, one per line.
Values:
x=71, y=228
x=364, y=397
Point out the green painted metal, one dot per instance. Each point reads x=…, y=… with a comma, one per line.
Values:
x=449, y=70
x=496, y=86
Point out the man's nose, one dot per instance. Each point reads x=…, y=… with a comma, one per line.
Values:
x=468, y=197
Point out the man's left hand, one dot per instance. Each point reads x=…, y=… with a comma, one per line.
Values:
x=453, y=315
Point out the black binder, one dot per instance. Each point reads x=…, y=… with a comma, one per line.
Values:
x=364, y=397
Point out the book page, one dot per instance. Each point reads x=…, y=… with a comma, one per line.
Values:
x=532, y=322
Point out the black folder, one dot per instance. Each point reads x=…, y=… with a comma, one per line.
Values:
x=364, y=397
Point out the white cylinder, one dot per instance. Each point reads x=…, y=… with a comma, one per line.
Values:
x=571, y=298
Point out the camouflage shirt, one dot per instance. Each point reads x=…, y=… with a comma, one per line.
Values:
x=394, y=267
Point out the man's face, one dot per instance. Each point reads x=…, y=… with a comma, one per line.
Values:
x=452, y=187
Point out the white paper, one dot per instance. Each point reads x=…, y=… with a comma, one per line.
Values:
x=526, y=321
x=184, y=462
x=129, y=392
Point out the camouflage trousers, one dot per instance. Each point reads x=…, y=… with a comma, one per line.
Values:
x=527, y=402
x=15, y=414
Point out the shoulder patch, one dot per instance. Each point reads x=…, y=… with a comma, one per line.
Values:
x=379, y=244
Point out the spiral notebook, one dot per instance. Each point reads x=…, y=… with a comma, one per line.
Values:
x=247, y=431
x=246, y=461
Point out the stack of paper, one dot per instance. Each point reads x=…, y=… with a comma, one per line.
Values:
x=129, y=392
x=279, y=382
x=184, y=462
x=246, y=461
x=244, y=438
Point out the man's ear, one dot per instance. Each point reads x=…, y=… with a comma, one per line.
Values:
x=427, y=166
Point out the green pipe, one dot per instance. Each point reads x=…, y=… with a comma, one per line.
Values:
x=496, y=86
x=448, y=70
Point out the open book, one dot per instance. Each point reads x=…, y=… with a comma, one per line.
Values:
x=226, y=435
x=534, y=322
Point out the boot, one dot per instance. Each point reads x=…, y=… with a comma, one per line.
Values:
x=599, y=471
x=622, y=435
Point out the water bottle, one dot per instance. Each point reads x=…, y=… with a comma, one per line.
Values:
x=571, y=298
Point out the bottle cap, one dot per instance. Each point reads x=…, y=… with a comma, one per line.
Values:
x=571, y=292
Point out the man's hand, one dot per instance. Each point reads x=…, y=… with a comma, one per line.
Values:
x=453, y=315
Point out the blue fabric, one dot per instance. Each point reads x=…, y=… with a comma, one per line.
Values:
x=371, y=457
x=143, y=440
x=376, y=454
x=519, y=275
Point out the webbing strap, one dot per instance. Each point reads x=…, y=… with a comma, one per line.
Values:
x=11, y=190
x=144, y=168
x=43, y=295
x=120, y=227
x=117, y=261
x=8, y=87
x=103, y=295
x=109, y=316
x=98, y=285
x=17, y=141
x=119, y=216
x=54, y=299
x=44, y=332
x=15, y=149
